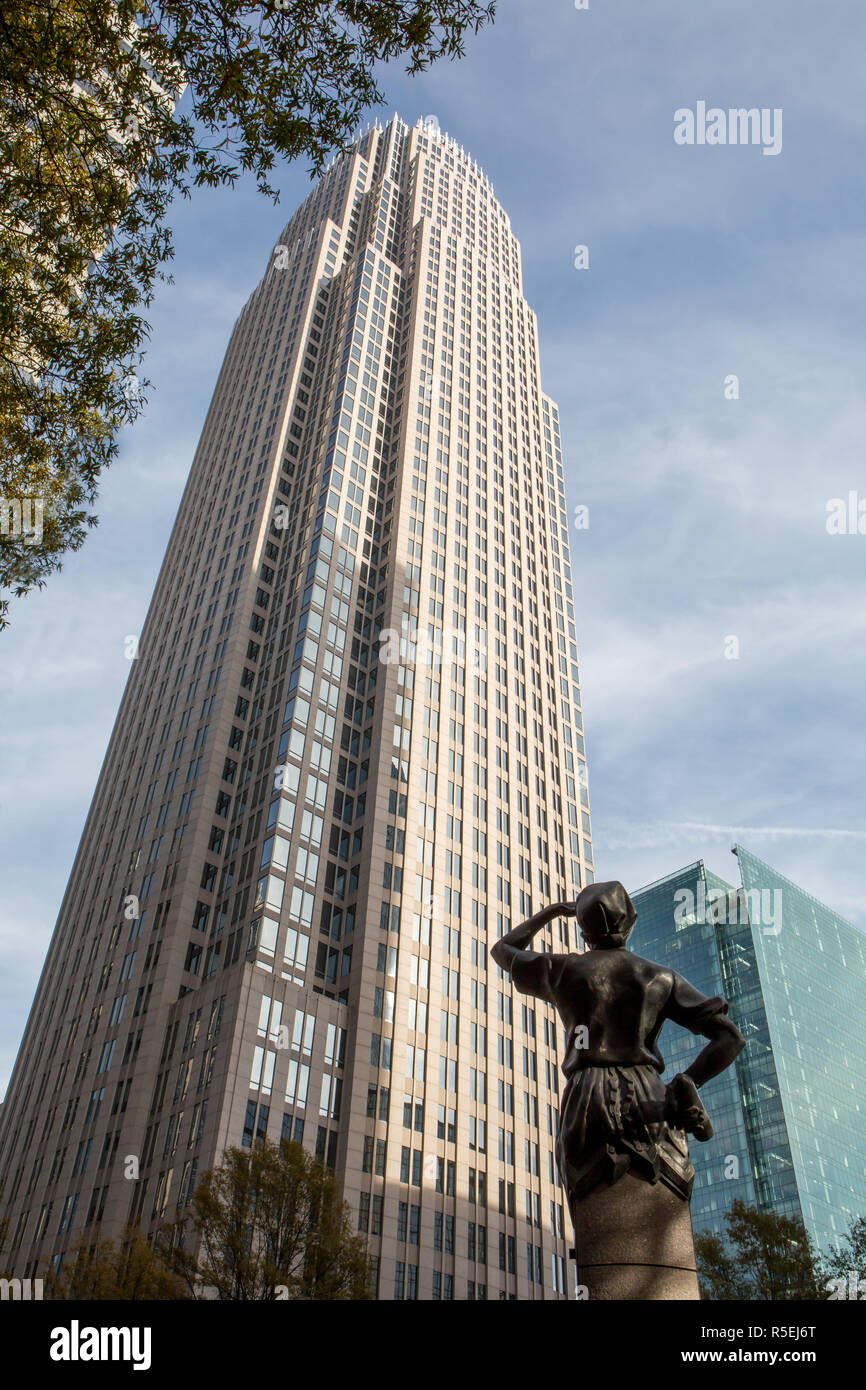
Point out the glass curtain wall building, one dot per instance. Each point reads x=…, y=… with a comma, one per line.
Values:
x=790, y=1117
x=691, y=947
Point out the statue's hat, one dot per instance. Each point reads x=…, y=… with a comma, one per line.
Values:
x=605, y=913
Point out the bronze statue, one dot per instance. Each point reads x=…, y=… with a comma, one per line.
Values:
x=617, y=1117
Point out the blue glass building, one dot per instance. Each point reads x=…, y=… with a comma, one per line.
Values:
x=790, y=1116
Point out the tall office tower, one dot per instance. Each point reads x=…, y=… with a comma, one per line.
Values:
x=790, y=1116
x=348, y=757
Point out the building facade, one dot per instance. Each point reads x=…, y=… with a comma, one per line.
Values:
x=348, y=757
x=691, y=948
x=790, y=1116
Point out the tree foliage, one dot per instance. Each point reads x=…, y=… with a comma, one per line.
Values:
x=849, y=1257
x=766, y=1257
x=93, y=147
x=132, y=1272
x=269, y=1225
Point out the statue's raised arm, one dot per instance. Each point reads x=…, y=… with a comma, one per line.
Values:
x=511, y=949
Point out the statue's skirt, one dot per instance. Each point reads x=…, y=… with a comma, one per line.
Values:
x=611, y=1122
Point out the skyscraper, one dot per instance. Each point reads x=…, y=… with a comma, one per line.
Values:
x=349, y=754
x=790, y=1116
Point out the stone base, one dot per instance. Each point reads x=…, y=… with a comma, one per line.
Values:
x=634, y=1241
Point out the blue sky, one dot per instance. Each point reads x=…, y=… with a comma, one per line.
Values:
x=707, y=515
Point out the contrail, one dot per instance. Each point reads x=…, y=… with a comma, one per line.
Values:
x=792, y=831
x=656, y=829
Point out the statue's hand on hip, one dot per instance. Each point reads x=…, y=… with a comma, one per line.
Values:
x=684, y=1110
